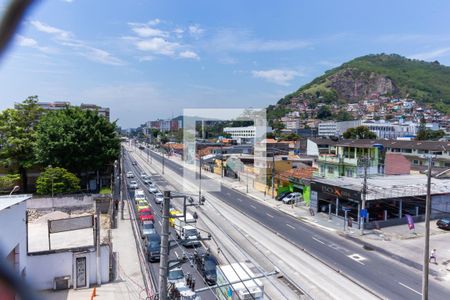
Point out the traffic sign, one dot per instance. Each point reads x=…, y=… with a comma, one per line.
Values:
x=363, y=213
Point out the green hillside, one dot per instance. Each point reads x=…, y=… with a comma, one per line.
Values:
x=390, y=75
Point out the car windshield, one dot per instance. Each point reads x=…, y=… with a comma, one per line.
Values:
x=210, y=265
x=154, y=245
x=176, y=274
x=146, y=213
x=149, y=225
x=447, y=221
x=191, y=232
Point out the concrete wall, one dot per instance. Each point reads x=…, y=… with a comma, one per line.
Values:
x=42, y=269
x=13, y=232
x=61, y=202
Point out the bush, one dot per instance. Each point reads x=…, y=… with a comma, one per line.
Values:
x=105, y=191
x=57, y=181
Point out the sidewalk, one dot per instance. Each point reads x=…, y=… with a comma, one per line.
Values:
x=129, y=282
x=396, y=242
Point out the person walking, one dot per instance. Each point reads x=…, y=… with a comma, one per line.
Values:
x=433, y=256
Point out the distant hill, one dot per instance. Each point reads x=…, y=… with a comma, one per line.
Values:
x=380, y=74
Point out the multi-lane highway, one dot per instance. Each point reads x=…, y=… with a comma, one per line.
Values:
x=385, y=277
x=177, y=252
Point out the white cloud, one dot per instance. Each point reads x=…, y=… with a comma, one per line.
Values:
x=146, y=58
x=26, y=42
x=196, y=31
x=158, y=45
x=32, y=43
x=178, y=32
x=277, y=76
x=66, y=38
x=243, y=41
x=58, y=33
x=68, y=1
x=189, y=54
x=432, y=55
x=147, y=31
x=154, y=22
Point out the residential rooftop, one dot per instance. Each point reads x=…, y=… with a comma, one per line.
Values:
x=8, y=201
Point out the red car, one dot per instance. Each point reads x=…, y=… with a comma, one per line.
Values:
x=146, y=215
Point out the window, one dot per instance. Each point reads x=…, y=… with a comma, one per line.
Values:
x=415, y=162
x=330, y=169
x=407, y=150
x=349, y=173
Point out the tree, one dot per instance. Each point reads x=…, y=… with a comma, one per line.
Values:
x=18, y=137
x=8, y=182
x=324, y=112
x=343, y=115
x=57, y=181
x=359, y=133
x=77, y=140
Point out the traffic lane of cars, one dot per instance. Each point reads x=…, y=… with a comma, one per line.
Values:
x=188, y=268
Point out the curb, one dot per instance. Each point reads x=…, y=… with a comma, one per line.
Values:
x=389, y=254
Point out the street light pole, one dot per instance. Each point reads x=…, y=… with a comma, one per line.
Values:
x=164, y=262
x=426, y=251
x=162, y=162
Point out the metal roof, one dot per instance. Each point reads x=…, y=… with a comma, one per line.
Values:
x=8, y=201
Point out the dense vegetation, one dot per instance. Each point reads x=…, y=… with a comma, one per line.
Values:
x=55, y=181
x=426, y=82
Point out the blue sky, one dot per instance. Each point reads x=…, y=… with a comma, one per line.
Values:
x=150, y=59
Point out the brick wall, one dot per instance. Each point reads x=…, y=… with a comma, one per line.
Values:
x=396, y=164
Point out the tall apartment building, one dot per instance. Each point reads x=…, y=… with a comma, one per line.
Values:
x=59, y=105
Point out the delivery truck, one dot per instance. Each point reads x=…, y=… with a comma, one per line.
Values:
x=186, y=230
x=235, y=281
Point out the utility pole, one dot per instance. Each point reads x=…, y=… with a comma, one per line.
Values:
x=221, y=159
x=426, y=251
x=97, y=245
x=273, y=174
x=365, y=162
x=200, y=179
x=164, y=262
x=162, y=162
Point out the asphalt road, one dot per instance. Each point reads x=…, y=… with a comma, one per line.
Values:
x=178, y=251
x=381, y=275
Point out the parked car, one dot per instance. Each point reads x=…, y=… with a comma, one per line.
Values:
x=147, y=180
x=159, y=197
x=291, y=198
x=153, y=247
x=152, y=189
x=130, y=175
x=282, y=195
x=132, y=185
x=146, y=215
x=143, y=175
x=175, y=275
x=148, y=227
x=206, y=265
x=443, y=223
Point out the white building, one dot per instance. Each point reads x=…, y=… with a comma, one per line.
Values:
x=13, y=241
x=243, y=135
x=336, y=128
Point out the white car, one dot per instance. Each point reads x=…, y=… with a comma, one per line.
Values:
x=133, y=185
x=144, y=175
x=152, y=189
x=292, y=198
x=159, y=197
x=175, y=275
x=147, y=180
x=130, y=175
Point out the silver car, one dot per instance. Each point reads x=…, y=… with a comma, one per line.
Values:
x=176, y=275
x=152, y=189
x=159, y=197
x=133, y=185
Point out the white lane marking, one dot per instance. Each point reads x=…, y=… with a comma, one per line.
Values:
x=176, y=253
x=254, y=207
x=160, y=224
x=289, y=225
x=317, y=240
x=318, y=225
x=269, y=215
x=404, y=285
x=239, y=199
x=358, y=258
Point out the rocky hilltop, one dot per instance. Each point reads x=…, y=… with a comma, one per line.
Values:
x=374, y=76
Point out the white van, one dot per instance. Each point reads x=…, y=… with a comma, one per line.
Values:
x=292, y=198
